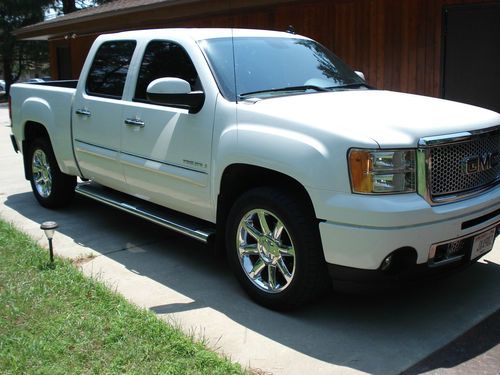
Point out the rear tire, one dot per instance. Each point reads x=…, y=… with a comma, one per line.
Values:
x=274, y=249
x=51, y=187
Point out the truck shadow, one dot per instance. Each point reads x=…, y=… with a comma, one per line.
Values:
x=383, y=333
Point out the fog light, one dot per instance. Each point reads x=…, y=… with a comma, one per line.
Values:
x=400, y=261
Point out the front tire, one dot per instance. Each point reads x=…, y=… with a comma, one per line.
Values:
x=51, y=187
x=274, y=249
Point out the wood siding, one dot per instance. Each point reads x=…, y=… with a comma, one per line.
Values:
x=396, y=43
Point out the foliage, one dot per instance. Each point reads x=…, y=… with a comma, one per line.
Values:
x=17, y=56
x=54, y=320
x=61, y=7
x=13, y=15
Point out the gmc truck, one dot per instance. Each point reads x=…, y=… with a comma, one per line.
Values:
x=268, y=144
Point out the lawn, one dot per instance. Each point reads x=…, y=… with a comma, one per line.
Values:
x=55, y=320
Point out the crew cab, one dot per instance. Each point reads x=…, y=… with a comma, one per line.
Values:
x=268, y=144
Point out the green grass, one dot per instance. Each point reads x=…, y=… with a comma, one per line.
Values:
x=54, y=320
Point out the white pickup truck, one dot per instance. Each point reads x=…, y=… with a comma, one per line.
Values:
x=266, y=139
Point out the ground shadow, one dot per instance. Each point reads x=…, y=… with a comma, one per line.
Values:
x=379, y=334
x=474, y=343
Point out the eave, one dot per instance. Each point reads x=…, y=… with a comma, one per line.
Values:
x=135, y=14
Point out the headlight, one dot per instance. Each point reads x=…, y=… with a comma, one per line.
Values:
x=382, y=171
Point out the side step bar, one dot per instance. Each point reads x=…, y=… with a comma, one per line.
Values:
x=198, y=229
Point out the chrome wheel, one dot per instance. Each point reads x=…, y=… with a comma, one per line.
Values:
x=42, y=176
x=266, y=251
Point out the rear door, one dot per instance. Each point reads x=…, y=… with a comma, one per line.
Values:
x=97, y=113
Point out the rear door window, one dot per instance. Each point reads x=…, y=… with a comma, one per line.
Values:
x=108, y=72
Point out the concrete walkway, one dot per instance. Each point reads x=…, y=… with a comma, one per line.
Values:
x=183, y=283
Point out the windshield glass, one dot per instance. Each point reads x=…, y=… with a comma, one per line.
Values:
x=268, y=66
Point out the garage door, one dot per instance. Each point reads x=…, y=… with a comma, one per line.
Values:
x=471, y=55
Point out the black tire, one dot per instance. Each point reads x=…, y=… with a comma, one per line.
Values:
x=306, y=274
x=52, y=188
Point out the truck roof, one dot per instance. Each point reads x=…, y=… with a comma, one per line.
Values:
x=200, y=33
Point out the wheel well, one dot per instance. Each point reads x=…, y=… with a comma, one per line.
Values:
x=32, y=131
x=238, y=178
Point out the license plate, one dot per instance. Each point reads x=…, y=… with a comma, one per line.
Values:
x=483, y=243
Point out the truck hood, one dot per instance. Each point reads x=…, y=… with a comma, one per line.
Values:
x=390, y=119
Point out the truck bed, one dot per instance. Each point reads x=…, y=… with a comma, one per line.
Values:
x=49, y=103
x=68, y=83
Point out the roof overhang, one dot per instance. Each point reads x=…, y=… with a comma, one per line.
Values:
x=134, y=14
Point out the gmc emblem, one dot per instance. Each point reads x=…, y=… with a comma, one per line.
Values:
x=481, y=163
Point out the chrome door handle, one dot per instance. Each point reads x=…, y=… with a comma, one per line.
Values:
x=134, y=122
x=83, y=112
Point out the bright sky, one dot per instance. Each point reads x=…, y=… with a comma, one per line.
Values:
x=51, y=13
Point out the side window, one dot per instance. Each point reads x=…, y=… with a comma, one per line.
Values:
x=109, y=69
x=165, y=59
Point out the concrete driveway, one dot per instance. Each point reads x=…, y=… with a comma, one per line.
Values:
x=182, y=282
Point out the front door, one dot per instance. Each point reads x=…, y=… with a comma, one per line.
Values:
x=166, y=151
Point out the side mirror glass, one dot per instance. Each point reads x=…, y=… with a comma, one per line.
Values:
x=175, y=92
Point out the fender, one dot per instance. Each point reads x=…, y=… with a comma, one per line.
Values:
x=294, y=154
x=35, y=109
x=57, y=123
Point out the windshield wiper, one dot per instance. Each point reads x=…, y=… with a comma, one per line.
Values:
x=285, y=89
x=350, y=86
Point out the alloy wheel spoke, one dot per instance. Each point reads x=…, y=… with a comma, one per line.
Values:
x=252, y=231
x=257, y=269
x=284, y=270
x=263, y=222
x=271, y=273
x=39, y=180
x=278, y=229
x=249, y=249
x=287, y=251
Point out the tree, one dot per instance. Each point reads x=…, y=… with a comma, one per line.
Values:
x=13, y=15
x=68, y=6
x=16, y=55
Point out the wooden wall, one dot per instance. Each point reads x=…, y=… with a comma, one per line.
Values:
x=396, y=43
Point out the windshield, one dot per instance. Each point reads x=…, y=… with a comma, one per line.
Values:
x=268, y=66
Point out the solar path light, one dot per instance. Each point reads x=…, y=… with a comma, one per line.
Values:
x=49, y=227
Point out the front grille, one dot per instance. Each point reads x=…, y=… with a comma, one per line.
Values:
x=459, y=165
x=448, y=166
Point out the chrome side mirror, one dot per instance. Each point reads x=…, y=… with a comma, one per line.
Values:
x=175, y=92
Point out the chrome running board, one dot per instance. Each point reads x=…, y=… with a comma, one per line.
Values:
x=198, y=229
